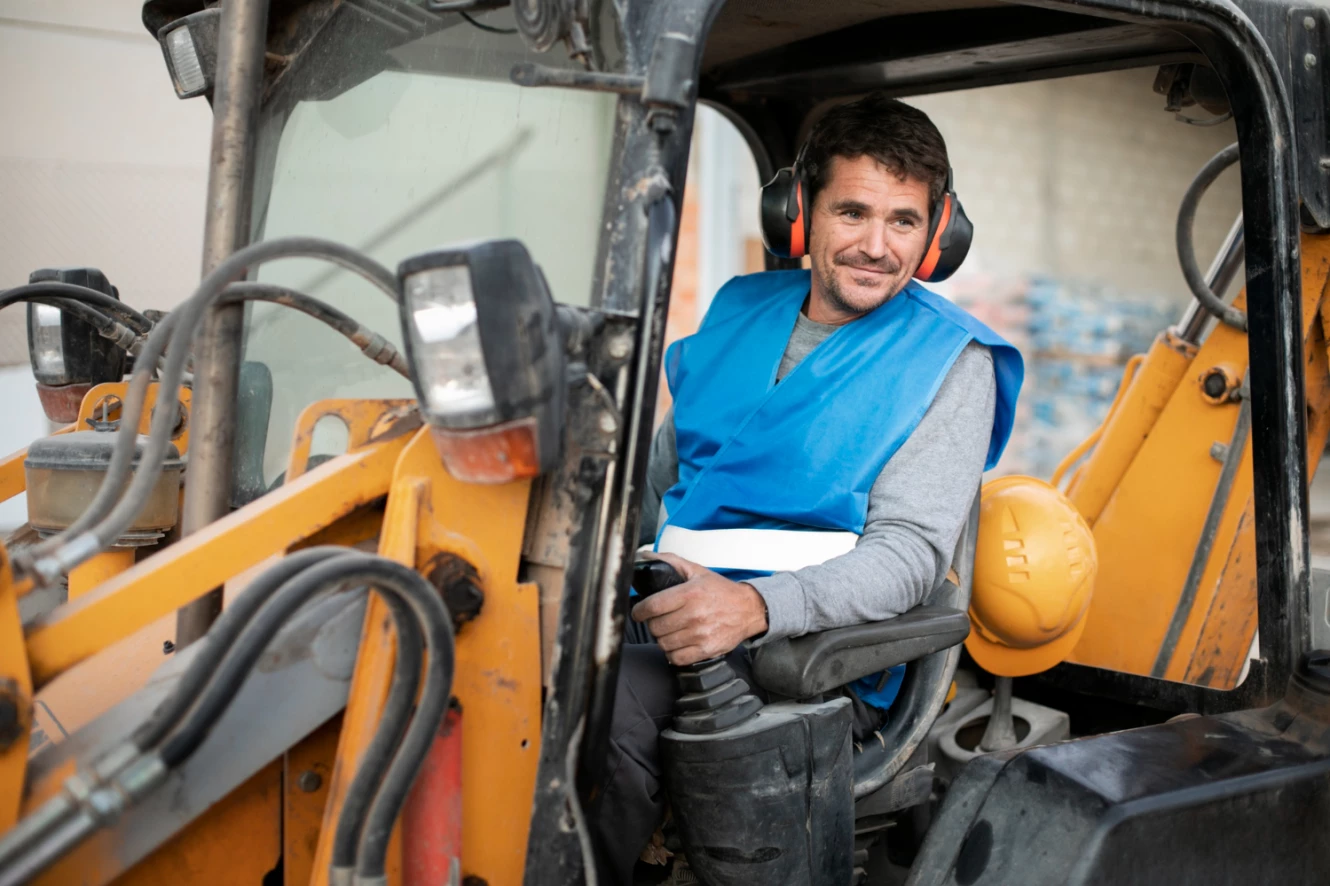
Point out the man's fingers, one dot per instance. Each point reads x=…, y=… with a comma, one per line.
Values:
x=660, y=604
x=674, y=640
x=688, y=655
x=670, y=622
x=686, y=568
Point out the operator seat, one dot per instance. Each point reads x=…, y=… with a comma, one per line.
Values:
x=928, y=638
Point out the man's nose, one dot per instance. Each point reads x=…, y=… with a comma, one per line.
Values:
x=874, y=240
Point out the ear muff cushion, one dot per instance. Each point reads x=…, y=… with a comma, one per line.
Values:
x=949, y=242
x=783, y=236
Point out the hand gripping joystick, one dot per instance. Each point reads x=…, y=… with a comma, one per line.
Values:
x=712, y=697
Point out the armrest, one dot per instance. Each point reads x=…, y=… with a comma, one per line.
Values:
x=810, y=665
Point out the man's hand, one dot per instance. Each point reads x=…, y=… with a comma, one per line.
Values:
x=706, y=616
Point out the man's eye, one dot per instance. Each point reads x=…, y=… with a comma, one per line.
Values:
x=852, y=213
x=904, y=224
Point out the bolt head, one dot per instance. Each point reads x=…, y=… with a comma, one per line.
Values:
x=310, y=781
x=1309, y=61
x=1309, y=23
x=607, y=423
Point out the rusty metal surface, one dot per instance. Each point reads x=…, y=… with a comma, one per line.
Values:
x=243, y=31
x=61, y=403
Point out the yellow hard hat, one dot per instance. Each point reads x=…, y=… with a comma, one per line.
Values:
x=1034, y=570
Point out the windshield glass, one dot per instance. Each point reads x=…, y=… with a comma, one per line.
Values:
x=398, y=145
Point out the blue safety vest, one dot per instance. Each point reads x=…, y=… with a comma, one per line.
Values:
x=775, y=477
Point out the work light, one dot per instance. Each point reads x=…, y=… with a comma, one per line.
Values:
x=479, y=326
x=190, y=47
x=68, y=355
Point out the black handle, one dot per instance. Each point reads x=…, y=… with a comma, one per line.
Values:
x=712, y=697
x=653, y=576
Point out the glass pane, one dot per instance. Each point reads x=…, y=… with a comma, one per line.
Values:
x=441, y=150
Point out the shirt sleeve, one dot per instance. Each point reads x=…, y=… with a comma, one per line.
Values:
x=916, y=510
x=662, y=473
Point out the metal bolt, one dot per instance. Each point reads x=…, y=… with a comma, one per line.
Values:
x=1325, y=163
x=167, y=647
x=310, y=781
x=1309, y=23
x=1309, y=61
x=619, y=347
x=1218, y=451
x=1214, y=384
x=607, y=423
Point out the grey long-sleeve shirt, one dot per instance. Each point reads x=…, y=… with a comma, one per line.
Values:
x=916, y=508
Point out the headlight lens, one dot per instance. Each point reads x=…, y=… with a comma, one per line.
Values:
x=449, y=360
x=190, y=47
x=189, y=79
x=46, y=346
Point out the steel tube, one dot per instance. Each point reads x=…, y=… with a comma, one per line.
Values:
x=1227, y=262
x=242, y=37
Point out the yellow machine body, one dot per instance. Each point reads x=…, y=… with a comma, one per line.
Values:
x=1146, y=489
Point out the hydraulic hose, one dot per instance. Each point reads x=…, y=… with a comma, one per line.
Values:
x=430, y=711
x=383, y=746
x=373, y=345
x=107, y=327
x=341, y=571
x=82, y=294
x=110, y=513
x=1191, y=271
x=394, y=755
x=234, y=619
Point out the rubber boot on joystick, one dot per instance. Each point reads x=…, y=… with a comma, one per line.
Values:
x=711, y=696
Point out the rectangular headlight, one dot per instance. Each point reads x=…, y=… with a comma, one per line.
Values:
x=486, y=358
x=450, y=365
x=190, y=47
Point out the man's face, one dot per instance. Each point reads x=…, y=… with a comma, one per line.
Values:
x=869, y=229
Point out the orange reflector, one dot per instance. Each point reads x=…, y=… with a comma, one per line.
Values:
x=496, y=454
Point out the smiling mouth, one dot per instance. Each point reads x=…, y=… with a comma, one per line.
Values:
x=875, y=272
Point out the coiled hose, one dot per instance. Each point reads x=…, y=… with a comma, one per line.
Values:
x=1191, y=271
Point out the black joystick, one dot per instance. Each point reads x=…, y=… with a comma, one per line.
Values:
x=712, y=697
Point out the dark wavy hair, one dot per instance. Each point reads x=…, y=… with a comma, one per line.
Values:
x=898, y=136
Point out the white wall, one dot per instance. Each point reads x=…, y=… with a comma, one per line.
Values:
x=100, y=165
x=1081, y=178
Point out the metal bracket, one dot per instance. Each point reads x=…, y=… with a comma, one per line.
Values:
x=664, y=90
x=1309, y=87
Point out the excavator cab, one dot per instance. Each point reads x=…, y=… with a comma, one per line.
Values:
x=424, y=543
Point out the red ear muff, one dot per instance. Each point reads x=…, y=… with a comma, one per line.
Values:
x=949, y=237
x=785, y=214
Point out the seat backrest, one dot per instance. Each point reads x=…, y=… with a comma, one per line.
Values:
x=927, y=680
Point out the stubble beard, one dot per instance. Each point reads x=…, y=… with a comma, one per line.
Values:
x=835, y=296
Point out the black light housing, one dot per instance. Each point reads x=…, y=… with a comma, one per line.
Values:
x=190, y=47
x=479, y=328
x=68, y=355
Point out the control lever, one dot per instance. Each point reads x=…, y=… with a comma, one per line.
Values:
x=712, y=697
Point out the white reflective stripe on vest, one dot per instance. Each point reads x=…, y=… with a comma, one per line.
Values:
x=763, y=550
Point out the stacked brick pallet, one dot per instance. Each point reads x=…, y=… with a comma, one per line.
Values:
x=1076, y=338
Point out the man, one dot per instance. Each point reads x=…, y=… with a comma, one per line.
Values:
x=827, y=440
